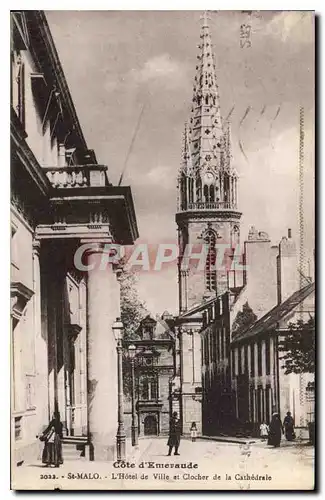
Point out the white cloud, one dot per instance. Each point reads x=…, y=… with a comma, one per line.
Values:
x=159, y=176
x=161, y=68
x=295, y=26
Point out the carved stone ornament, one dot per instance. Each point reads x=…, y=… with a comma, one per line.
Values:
x=19, y=295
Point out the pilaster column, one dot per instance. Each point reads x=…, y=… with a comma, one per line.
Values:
x=272, y=372
x=103, y=307
x=250, y=402
x=40, y=343
x=255, y=347
x=37, y=289
x=263, y=364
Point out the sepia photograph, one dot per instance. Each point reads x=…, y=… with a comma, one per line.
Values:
x=162, y=259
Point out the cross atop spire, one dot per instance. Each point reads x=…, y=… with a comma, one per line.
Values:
x=205, y=17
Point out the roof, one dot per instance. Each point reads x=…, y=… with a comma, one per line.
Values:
x=197, y=308
x=41, y=34
x=272, y=318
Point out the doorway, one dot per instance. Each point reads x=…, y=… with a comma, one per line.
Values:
x=150, y=425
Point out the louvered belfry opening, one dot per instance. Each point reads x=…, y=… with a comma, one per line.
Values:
x=210, y=271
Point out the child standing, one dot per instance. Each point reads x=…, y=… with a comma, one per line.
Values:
x=264, y=431
x=193, y=432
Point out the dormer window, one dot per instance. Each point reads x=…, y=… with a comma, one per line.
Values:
x=147, y=332
x=147, y=328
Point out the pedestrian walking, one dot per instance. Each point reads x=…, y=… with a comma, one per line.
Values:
x=289, y=427
x=193, y=432
x=52, y=437
x=275, y=430
x=264, y=431
x=174, y=434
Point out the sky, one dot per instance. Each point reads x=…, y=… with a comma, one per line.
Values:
x=116, y=62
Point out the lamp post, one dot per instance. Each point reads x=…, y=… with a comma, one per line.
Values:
x=134, y=430
x=120, y=436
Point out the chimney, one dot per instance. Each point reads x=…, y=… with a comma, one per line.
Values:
x=287, y=268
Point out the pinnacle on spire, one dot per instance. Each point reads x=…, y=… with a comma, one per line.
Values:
x=185, y=151
x=186, y=163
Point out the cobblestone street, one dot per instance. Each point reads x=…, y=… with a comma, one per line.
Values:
x=219, y=466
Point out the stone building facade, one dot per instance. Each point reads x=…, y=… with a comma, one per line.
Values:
x=64, y=210
x=247, y=370
x=154, y=367
x=258, y=376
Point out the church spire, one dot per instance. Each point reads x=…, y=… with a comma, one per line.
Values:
x=206, y=133
x=207, y=178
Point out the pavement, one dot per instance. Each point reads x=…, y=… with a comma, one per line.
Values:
x=204, y=465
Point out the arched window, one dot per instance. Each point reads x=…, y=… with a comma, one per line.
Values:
x=226, y=188
x=191, y=190
x=210, y=272
x=235, y=237
x=183, y=191
x=198, y=189
x=206, y=99
x=211, y=194
x=206, y=194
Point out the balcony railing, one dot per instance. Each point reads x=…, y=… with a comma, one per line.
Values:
x=77, y=176
x=202, y=205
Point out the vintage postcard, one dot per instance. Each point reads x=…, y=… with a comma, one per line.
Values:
x=162, y=250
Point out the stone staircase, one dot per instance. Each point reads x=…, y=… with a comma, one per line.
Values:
x=74, y=448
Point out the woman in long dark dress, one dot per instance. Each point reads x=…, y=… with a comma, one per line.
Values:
x=52, y=452
x=289, y=425
x=275, y=430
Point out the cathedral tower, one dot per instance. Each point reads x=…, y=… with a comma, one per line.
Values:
x=207, y=215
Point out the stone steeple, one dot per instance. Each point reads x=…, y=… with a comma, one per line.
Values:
x=206, y=169
x=207, y=184
x=205, y=123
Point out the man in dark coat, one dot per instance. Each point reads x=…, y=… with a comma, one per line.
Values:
x=174, y=434
x=289, y=426
x=275, y=430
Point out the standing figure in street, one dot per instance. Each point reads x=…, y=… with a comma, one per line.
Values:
x=52, y=436
x=289, y=426
x=193, y=432
x=264, y=431
x=174, y=434
x=275, y=430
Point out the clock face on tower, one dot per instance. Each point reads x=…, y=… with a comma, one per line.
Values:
x=208, y=178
